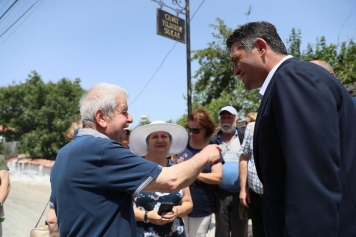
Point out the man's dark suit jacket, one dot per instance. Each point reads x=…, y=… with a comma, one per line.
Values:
x=305, y=153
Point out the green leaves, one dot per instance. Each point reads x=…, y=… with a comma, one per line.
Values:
x=39, y=114
x=214, y=84
x=341, y=57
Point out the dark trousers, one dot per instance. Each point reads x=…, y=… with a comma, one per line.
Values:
x=256, y=207
x=228, y=222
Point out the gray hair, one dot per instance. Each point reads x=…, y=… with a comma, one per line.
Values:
x=102, y=96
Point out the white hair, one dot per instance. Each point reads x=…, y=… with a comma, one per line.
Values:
x=102, y=96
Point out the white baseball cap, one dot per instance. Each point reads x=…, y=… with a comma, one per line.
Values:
x=229, y=109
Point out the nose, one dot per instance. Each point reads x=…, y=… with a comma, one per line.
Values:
x=129, y=119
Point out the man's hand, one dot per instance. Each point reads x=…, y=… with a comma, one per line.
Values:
x=212, y=153
x=245, y=198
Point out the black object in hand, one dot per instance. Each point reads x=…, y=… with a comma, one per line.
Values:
x=165, y=207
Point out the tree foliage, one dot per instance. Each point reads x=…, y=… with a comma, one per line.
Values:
x=214, y=84
x=38, y=114
x=341, y=57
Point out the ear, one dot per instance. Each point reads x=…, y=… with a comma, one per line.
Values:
x=261, y=46
x=100, y=118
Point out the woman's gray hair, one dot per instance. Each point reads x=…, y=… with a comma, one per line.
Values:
x=102, y=96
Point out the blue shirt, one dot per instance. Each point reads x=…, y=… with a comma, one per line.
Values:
x=93, y=181
x=231, y=153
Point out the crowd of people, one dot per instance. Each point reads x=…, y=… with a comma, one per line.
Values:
x=290, y=169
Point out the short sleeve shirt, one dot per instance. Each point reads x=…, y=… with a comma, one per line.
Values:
x=247, y=149
x=94, y=180
x=3, y=164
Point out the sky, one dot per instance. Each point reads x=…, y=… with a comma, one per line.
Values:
x=115, y=41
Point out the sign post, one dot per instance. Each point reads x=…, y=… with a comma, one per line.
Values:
x=175, y=28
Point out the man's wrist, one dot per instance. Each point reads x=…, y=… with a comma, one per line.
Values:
x=202, y=160
x=145, y=217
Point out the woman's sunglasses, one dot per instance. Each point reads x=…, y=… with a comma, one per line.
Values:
x=194, y=130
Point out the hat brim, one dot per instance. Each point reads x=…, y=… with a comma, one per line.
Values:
x=138, y=137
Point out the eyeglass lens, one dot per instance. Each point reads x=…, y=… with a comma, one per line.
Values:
x=194, y=130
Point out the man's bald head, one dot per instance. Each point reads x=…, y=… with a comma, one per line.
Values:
x=325, y=65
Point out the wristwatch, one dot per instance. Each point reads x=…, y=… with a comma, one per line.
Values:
x=0, y=204
x=145, y=217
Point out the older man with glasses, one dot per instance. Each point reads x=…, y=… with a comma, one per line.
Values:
x=229, y=138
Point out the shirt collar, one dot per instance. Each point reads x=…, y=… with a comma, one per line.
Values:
x=270, y=75
x=220, y=132
x=88, y=132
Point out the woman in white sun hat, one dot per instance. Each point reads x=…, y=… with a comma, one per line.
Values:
x=155, y=142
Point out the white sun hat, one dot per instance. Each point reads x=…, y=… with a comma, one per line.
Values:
x=138, y=137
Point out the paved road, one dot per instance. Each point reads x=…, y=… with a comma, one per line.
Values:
x=23, y=208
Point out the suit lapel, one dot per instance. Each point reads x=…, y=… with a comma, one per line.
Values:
x=263, y=104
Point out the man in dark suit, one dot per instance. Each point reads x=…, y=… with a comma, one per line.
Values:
x=304, y=140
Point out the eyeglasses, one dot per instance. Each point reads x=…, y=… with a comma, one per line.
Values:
x=194, y=130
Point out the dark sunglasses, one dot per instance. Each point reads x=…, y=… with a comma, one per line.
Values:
x=194, y=130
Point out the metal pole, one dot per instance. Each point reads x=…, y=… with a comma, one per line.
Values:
x=187, y=32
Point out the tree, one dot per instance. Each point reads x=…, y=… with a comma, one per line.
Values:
x=342, y=58
x=39, y=114
x=214, y=84
x=294, y=42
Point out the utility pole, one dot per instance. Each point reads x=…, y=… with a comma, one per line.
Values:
x=189, y=72
x=165, y=29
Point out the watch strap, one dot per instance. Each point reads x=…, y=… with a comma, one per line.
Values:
x=145, y=217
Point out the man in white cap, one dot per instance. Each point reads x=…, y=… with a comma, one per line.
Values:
x=229, y=138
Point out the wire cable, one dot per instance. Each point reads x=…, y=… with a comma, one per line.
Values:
x=4, y=4
x=19, y=18
x=164, y=59
x=8, y=9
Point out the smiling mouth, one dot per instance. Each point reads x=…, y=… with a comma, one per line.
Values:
x=242, y=77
